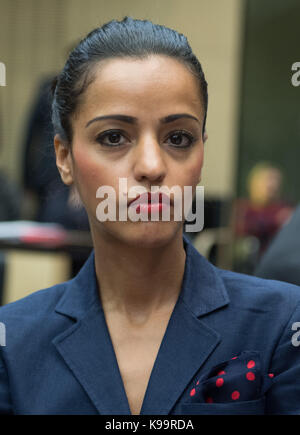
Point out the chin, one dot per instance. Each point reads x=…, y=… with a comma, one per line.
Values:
x=147, y=234
x=152, y=234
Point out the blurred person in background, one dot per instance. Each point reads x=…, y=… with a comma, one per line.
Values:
x=258, y=218
x=10, y=209
x=48, y=199
x=264, y=212
x=54, y=200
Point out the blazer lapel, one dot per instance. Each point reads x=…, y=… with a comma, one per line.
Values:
x=185, y=347
x=188, y=342
x=88, y=352
x=86, y=346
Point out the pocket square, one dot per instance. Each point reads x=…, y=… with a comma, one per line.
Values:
x=239, y=379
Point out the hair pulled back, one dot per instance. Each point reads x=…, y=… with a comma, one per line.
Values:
x=116, y=39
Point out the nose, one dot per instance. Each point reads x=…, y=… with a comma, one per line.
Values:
x=149, y=162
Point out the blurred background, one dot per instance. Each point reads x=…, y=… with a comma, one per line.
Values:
x=251, y=177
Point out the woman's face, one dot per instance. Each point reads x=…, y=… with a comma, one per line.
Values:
x=147, y=152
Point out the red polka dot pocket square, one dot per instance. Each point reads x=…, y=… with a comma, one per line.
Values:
x=239, y=379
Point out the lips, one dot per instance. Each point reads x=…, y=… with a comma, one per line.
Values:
x=148, y=198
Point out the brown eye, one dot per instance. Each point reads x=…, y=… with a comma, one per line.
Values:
x=181, y=139
x=113, y=137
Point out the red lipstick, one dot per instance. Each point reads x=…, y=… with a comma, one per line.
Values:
x=147, y=202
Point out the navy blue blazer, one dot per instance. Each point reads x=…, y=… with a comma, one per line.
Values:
x=58, y=357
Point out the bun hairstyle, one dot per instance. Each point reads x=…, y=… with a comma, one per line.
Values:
x=116, y=39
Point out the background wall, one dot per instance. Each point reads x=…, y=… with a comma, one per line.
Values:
x=270, y=116
x=35, y=35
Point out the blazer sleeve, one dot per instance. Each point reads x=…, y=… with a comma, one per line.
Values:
x=284, y=395
x=5, y=400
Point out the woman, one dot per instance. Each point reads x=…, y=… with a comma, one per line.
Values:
x=148, y=326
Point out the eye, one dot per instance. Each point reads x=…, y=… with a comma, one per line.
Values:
x=179, y=139
x=177, y=142
x=113, y=136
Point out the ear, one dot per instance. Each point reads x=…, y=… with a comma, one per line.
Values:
x=202, y=158
x=63, y=160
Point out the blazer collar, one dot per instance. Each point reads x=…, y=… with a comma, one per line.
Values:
x=203, y=290
x=87, y=349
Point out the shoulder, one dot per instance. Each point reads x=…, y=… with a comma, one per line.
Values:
x=33, y=310
x=42, y=300
x=264, y=293
x=41, y=316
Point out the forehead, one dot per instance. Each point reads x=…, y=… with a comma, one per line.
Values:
x=157, y=83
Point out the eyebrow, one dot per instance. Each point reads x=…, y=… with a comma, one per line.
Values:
x=133, y=120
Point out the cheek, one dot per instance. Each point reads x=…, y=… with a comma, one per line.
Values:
x=89, y=173
x=194, y=168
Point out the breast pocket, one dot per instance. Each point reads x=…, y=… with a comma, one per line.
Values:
x=253, y=407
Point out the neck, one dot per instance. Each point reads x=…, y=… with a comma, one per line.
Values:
x=138, y=282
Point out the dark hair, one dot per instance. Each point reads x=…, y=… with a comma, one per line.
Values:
x=127, y=38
